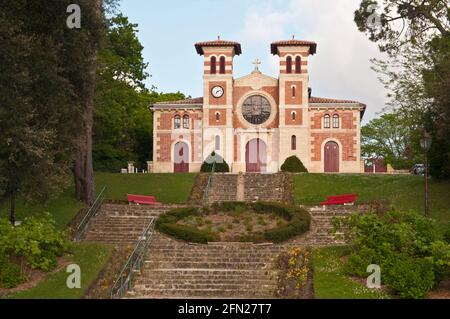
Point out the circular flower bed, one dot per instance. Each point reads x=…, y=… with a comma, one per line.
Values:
x=235, y=221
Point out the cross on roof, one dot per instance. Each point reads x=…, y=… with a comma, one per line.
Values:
x=257, y=62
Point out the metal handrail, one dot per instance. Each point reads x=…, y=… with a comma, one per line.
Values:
x=84, y=224
x=124, y=281
x=208, y=184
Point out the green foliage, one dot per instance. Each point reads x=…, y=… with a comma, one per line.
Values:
x=405, y=245
x=297, y=222
x=394, y=137
x=10, y=274
x=411, y=277
x=221, y=165
x=293, y=164
x=36, y=241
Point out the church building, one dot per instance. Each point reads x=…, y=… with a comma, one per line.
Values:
x=257, y=121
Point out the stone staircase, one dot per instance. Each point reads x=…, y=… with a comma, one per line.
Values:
x=216, y=270
x=122, y=223
x=250, y=187
x=175, y=269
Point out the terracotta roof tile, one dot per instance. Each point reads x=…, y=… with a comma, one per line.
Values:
x=218, y=43
x=312, y=45
x=193, y=102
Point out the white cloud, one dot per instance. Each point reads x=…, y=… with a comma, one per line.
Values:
x=341, y=67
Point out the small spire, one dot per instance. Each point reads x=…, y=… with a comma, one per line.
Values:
x=218, y=37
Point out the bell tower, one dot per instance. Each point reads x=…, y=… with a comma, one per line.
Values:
x=218, y=56
x=294, y=96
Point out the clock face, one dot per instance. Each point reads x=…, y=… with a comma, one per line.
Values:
x=256, y=109
x=217, y=91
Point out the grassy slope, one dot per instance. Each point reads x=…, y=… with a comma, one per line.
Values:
x=90, y=257
x=405, y=192
x=330, y=281
x=167, y=188
x=63, y=207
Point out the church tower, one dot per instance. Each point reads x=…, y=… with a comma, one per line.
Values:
x=218, y=96
x=294, y=97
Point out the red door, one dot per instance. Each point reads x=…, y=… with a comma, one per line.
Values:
x=256, y=156
x=331, y=157
x=181, y=158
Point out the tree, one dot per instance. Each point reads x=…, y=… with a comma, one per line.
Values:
x=437, y=85
x=33, y=98
x=403, y=22
x=393, y=137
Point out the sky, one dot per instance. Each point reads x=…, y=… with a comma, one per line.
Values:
x=168, y=30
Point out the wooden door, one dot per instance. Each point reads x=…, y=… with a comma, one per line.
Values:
x=331, y=157
x=256, y=156
x=181, y=158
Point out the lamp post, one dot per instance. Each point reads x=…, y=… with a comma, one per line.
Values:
x=425, y=142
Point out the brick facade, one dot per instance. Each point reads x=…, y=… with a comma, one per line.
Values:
x=276, y=134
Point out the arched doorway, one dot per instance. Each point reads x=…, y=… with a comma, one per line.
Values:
x=181, y=158
x=331, y=157
x=256, y=156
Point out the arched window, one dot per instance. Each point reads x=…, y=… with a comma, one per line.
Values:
x=186, y=121
x=217, y=116
x=222, y=65
x=217, y=142
x=213, y=65
x=293, y=91
x=326, y=121
x=177, y=122
x=289, y=64
x=335, y=121
x=293, y=115
x=293, y=142
x=298, y=65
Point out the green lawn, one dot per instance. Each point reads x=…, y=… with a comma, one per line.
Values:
x=405, y=192
x=90, y=257
x=167, y=188
x=330, y=280
x=63, y=207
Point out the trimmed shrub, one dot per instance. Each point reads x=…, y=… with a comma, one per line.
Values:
x=294, y=165
x=220, y=167
x=297, y=222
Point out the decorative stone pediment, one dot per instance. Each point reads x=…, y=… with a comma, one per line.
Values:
x=256, y=80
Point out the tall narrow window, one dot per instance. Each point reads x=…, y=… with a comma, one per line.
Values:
x=186, y=121
x=293, y=142
x=335, y=121
x=217, y=142
x=222, y=65
x=298, y=65
x=213, y=65
x=217, y=116
x=289, y=64
x=293, y=115
x=293, y=91
x=177, y=122
x=326, y=121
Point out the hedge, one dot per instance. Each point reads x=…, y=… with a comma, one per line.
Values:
x=294, y=165
x=298, y=222
x=220, y=167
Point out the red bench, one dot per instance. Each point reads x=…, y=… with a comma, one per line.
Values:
x=141, y=199
x=339, y=200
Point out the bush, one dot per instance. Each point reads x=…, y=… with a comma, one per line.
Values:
x=190, y=234
x=294, y=165
x=410, y=277
x=220, y=167
x=36, y=242
x=405, y=245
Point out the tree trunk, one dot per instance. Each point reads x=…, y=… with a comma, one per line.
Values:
x=12, y=213
x=83, y=166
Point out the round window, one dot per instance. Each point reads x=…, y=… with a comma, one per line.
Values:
x=256, y=109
